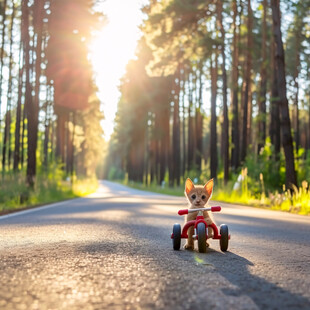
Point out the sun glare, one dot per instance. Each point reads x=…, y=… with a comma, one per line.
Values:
x=111, y=50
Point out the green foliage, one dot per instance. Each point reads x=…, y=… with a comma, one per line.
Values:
x=50, y=187
x=115, y=173
x=297, y=201
x=12, y=191
x=303, y=166
x=262, y=181
x=273, y=170
x=179, y=39
x=93, y=142
x=177, y=32
x=301, y=199
x=234, y=196
x=195, y=174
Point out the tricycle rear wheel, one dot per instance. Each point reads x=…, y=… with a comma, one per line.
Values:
x=224, y=237
x=176, y=241
x=202, y=238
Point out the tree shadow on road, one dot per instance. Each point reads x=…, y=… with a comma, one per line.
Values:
x=265, y=294
x=146, y=236
x=258, y=227
x=234, y=268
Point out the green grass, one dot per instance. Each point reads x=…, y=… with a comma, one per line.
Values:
x=236, y=197
x=15, y=195
x=296, y=202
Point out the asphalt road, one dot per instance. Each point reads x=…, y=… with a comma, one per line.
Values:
x=112, y=250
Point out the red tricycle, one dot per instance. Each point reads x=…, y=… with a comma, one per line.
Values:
x=200, y=230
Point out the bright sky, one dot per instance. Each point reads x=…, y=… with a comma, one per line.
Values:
x=112, y=49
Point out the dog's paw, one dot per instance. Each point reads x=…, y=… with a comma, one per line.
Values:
x=189, y=246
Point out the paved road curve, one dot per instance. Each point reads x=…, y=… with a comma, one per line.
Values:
x=112, y=250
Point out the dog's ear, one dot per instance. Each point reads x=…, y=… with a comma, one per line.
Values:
x=189, y=185
x=209, y=187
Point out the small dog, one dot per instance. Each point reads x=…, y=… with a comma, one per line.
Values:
x=197, y=196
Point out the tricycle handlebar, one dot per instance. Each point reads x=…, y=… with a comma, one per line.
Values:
x=212, y=209
x=216, y=209
x=183, y=212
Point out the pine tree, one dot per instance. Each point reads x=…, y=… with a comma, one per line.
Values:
x=286, y=136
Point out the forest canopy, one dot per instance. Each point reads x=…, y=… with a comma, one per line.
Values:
x=50, y=113
x=218, y=89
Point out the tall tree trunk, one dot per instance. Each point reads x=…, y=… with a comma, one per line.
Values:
x=247, y=105
x=33, y=108
x=296, y=116
x=234, y=94
x=46, y=141
x=155, y=150
x=60, y=133
x=263, y=84
x=18, y=112
x=194, y=112
x=287, y=141
x=199, y=120
x=7, y=123
x=308, y=99
x=250, y=118
x=10, y=83
x=308, y=122
x=161, y=131
x=275, y=128
x=164, y=143
x=47, y=125
x=176, y=134
x=22, y=146
x=190, y=135
x=298, y=24
x=225, y=127
x=213, y=135
x=298, y=32
x=28, y=91
x=152, y=162
x=6, y=151
x=183, y=167
x=3, y=22
x=69, y=148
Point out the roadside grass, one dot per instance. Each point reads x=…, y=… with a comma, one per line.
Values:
x=49, y=188
x=172, y=191
x=297, y=202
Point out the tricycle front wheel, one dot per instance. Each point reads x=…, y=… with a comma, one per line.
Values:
x=202, y=238
x=224, y=237
x=176, y=241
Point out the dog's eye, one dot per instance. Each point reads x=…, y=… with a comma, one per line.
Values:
x=193, y=196
x=203, y=197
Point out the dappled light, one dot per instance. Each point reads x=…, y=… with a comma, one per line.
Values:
x=105, y=240
x=210, y=95
x=153, y=92
x=154, y=154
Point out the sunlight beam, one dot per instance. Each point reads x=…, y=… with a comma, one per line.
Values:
x=111, y=50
